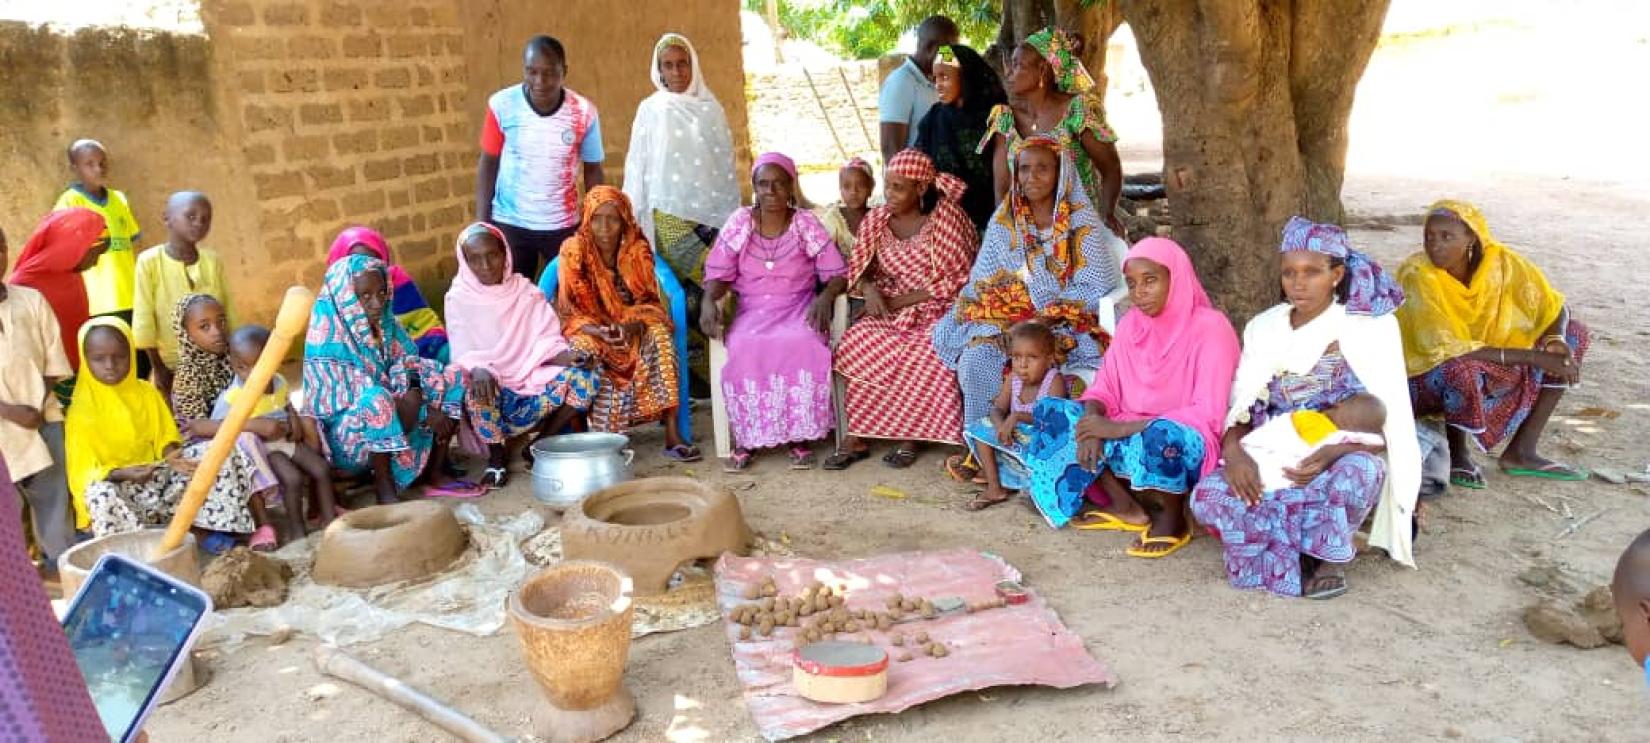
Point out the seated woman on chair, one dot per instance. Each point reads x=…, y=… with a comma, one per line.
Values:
x=611, y=307
x=775, y=257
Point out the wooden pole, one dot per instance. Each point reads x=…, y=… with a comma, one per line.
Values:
x=335, y=662
x=290, y=324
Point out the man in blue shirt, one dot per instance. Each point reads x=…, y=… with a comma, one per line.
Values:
x=908, y=92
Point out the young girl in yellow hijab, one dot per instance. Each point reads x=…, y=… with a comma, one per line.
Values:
x=1490, y=345
x=126, y=466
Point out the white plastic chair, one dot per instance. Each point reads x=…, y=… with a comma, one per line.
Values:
x=1111, y=305
x=718, y=403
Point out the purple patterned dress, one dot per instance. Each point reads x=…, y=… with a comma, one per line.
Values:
x=1263, y=543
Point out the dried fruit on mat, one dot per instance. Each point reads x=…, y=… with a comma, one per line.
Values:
x=744, y=633
x=766, y=627
x=898, y=640
x=903, y=657
x=938, y=651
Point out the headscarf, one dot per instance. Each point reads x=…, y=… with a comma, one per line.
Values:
x=858, y=163
x=112, y=426
x=1177, y=365
x=340, y=352
x=200, y=375
x=948, y=134
x=406, y=301
x=1018, y=276
x=778, y=159
x=681, y=158
x=947, y=224
x=588, y=295
x=44, y=697
x=47, y=265
x=1059, y=49
x=1506, y=304
x=506, y=328
x=1370, y=291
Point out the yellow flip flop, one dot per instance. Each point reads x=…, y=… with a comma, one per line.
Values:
x=1175, y=543
x=1109, y=522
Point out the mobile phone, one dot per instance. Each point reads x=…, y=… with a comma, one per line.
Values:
x=131, y=628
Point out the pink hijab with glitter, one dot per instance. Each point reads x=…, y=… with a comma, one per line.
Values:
x=1178, y=365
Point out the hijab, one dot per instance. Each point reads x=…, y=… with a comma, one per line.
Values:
x=340, y=351
x=369, y=237
x=200, y=375
x=507, y=328
x=1369, y=289
x=47, y=265
x=681, y=158
x=589, y=295
x=1177, y=365
x=1506, y=304
x=948, y=133
x=110, y=426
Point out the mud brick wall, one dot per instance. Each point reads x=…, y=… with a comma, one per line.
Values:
x=351, y=113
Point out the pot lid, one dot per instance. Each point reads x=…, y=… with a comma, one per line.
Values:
x=580, y=443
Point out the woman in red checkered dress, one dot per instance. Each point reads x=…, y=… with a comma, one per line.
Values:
x=913, y=256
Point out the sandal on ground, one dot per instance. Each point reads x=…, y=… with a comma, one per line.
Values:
x=457, y=489
x=900, y=458
x=980, y=502
x=738, y=461
x=842, y=460
x=1095, y=519
x=1471, y=478
x=682, y=453
x=1330, y=586
x=494, y=478
x=264, y=539
x=452, y=469
x=1549, y=471
x=961, y=467
x=802, y=458
x=217, y=543
x=1175, y=543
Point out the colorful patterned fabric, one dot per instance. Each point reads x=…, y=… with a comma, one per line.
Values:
x=1012, y=472
x=112, y=426
x=200, y=375
x=1060, y=50
x=1022, y=273
x=651, y=392
x=1486, y=399
x=1370, y=291
x=516, y=413
x=1263, y=543
x=1084, y=114
x=352, y=379
x=592, y=294
x=897, y=387
x=777, y=379
x=1166, y=456
x=44, y=696
x=683, y=245
x=47, y=265
x=406, y=301
x=1506, y=304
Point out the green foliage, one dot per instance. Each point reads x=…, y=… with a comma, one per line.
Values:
x=866, y=29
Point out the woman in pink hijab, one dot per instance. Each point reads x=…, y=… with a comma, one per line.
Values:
x=1140, y=437
x=524, y=377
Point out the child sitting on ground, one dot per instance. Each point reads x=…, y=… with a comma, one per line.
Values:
x=167, y=273
x=109, y=282
x=1283, y=442
x=291, y=441
x=1032, y=377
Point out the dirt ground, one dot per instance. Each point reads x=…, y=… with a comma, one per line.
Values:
x=1438, y=652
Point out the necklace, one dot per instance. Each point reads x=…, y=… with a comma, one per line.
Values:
x=770, y=251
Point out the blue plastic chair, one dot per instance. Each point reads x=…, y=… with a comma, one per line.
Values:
x=672, y=288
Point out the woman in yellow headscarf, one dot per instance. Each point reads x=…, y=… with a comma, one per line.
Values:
x=1490, y=345
x=126, y=466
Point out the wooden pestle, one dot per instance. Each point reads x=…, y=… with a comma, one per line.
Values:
x=290, y=324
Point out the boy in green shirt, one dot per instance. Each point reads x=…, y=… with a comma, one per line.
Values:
x=109, y=283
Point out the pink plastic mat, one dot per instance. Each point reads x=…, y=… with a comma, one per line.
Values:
x=1013, y=646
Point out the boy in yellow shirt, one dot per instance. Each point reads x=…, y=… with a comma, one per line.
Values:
x=109, y=283
x=167, y=273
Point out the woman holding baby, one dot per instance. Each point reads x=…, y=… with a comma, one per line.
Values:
x=1332, y=347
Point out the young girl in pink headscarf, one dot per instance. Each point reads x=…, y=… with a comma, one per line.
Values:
x=524, y=376
x=1148, y=428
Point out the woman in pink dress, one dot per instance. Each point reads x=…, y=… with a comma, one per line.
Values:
x=786, y=271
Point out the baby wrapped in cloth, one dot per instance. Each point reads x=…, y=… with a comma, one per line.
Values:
x=1284, y=441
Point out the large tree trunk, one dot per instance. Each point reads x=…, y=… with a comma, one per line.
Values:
x=1255, y=96
x=1021, y=18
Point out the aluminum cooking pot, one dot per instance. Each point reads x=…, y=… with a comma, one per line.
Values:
x=569, y=467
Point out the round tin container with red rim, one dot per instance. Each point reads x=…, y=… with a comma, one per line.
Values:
x=840, y=672
x=1012, y=592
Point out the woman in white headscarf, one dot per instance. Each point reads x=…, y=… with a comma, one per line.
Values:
x=679, y=173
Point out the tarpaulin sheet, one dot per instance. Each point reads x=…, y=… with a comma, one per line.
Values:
x=1012, y=646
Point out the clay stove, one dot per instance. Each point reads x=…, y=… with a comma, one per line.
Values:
x=649, y=527
x=385, y=544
